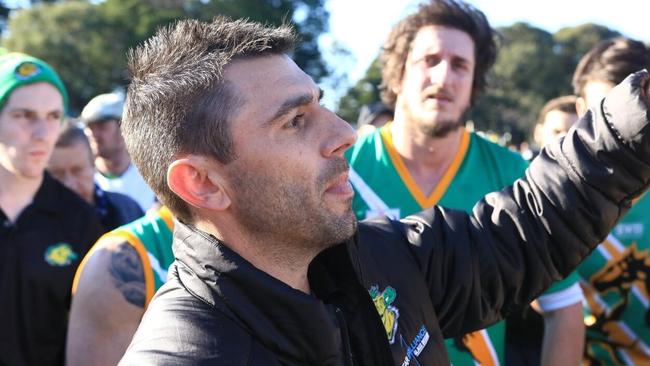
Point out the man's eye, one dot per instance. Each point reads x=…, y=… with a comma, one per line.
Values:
x=55, y=116
x=460, y=66
x=431, y=60
x=18, y=114
x=297, y=122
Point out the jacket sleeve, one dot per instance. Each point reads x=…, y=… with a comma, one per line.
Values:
x=517, y=241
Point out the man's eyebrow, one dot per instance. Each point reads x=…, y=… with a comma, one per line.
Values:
x=28, y=110
x=19, y=109
x=294, y=102
x=462, y=59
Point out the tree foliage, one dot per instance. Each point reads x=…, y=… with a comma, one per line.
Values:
x=532, y=67
x=524, y=77
x=573, y=42
x=365, y=91
x=86, y=41
x=59, y=34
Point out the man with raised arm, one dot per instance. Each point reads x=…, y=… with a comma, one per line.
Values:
x=271, y=266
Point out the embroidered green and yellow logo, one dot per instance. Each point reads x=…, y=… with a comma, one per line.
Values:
x=387, y=312
x=60, y=255
x=27, y=70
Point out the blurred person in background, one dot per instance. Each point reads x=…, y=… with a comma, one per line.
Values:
x=113, y=287
x=115, y=173
x=72, y=163
x=45, y=229
x=555, y=119
x=434, y=66
x=616, y=276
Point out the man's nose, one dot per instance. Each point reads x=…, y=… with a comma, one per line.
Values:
x=441, y=74
x=69, y=181
x=340, y=137
x=40, y=128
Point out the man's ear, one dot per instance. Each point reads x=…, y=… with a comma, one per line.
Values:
x=581, y=106
x=396, y=87
x=195, y=180
x=538, y=135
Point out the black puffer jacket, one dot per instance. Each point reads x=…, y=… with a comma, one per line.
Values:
x=390, y=295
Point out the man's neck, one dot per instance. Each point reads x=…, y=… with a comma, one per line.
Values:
x=427, y=158
x=16, y=193
x=281, y=260
x=114, y=166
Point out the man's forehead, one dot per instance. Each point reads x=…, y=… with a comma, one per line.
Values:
x=265, y=81
x=273, y=69
x=596, y=90
x=72, y=154
x=35, y=96
x=559, y=118
x=441, y=37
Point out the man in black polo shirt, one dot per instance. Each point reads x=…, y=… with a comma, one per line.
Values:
x=45, y=229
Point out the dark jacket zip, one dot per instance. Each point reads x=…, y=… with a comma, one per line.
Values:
x=345, y=337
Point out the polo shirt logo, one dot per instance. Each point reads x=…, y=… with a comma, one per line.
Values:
x=60, y=255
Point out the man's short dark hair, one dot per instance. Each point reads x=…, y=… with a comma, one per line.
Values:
x=449, y=13
x=611, y=60
x=178, y=100
x=71, y=135
x=566, y=104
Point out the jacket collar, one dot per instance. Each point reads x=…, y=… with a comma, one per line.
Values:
x=279, y=317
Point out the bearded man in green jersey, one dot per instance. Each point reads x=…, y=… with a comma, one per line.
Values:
x=435, y=63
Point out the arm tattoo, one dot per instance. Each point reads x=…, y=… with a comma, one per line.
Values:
x=128, y=275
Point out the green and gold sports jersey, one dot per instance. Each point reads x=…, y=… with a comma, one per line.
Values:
x=151, y=237
x=616, y=281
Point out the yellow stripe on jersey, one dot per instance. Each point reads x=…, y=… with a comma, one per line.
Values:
x=139, y=248
x=409, y=182
x=166, y=215
x=481, y=347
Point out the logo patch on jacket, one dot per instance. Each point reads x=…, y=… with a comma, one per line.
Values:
x=416, y=346
x=60, y=255
x=387, y=311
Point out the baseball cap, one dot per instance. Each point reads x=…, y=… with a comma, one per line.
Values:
x=103, y=107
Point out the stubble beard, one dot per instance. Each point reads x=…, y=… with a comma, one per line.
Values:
x=287, y=217
x=435, y=129
x=441, y=129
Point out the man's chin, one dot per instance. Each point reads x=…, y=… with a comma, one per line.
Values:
x=343, y=229
x=441, y=129
x=352, y=227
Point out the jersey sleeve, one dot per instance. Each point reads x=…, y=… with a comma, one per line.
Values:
x=561, y=294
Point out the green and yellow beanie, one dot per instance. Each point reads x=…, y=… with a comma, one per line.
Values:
x=19, y=69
